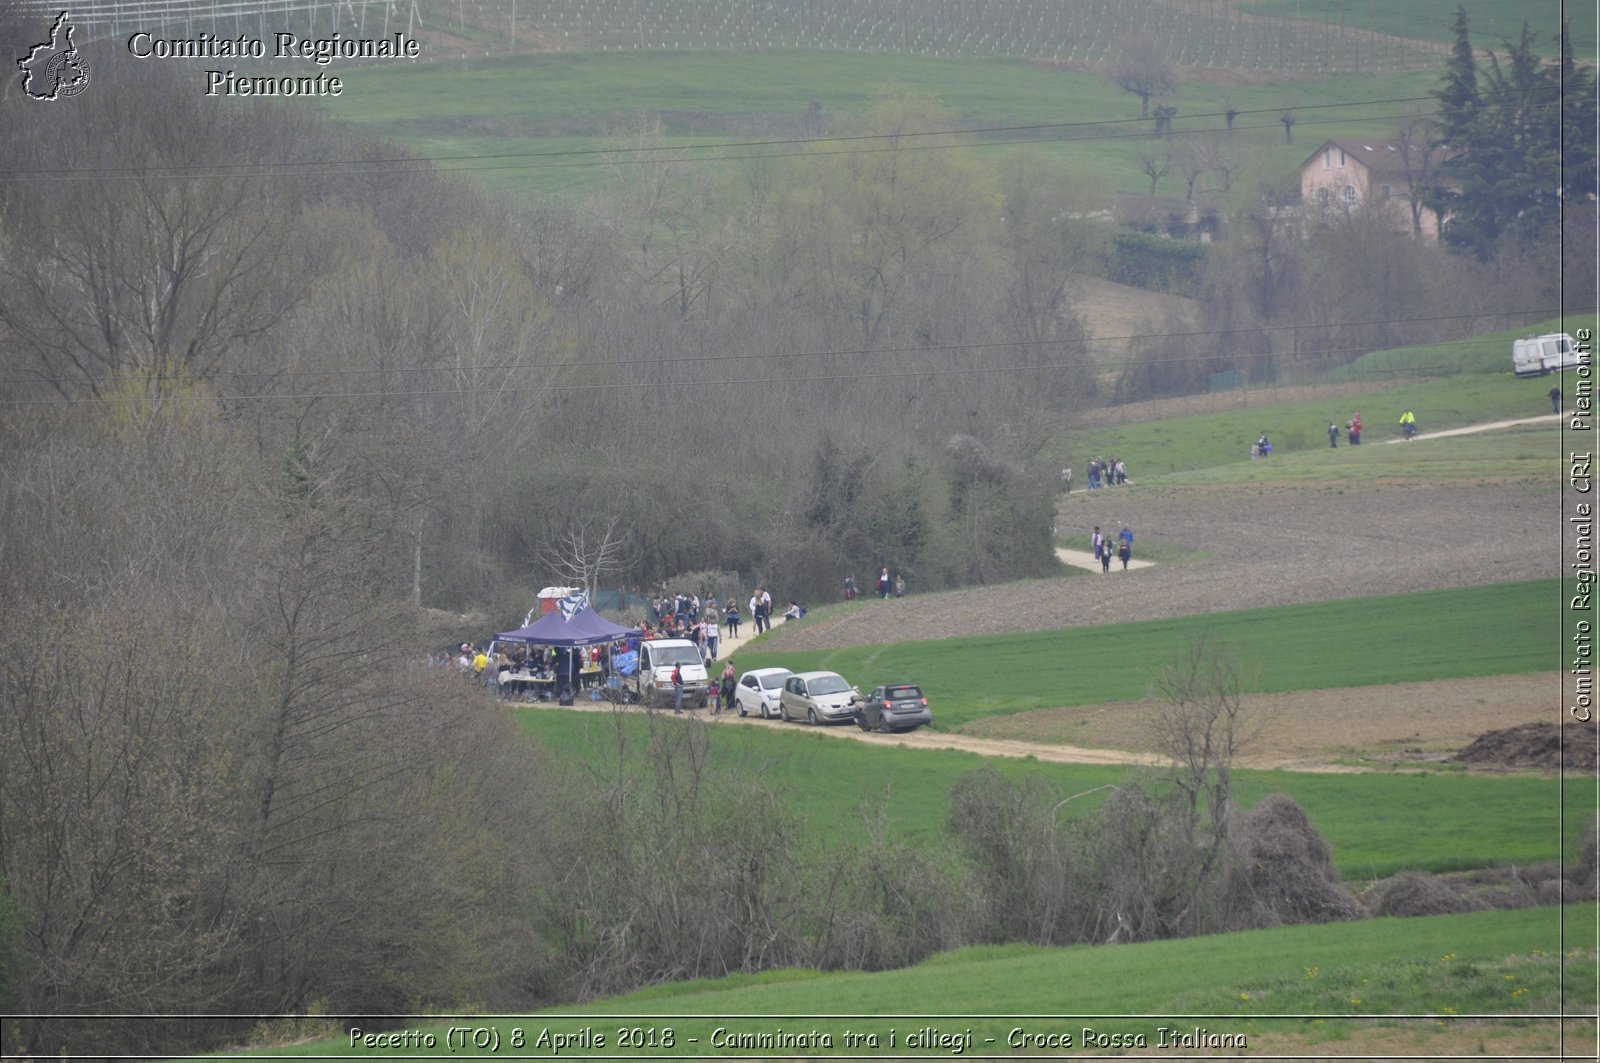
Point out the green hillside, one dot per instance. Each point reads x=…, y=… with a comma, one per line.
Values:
x=1320, y=984
x=1495, y=630
x=532, y=123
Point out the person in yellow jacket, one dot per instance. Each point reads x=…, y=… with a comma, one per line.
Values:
x=1408, y=424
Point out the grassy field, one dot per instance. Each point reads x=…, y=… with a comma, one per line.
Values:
x=1434, y=20
x=1489, y=353
x=531, y=104
x=1299, y=426
x=1323, y=987
x=1495, y=630
x=1452, y=822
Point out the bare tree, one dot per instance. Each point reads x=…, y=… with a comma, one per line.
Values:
x=586, y=549
x=1201, y=731
x=1154, y=164
x=1141, y=69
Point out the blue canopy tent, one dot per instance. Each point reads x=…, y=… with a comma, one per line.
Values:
x=586, y=628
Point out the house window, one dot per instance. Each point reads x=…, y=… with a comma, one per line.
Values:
x=1341, y=158
x=1322, y=197
x=1347, y=195
x=1327, y=159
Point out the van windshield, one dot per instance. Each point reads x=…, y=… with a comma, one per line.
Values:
x=675, y=655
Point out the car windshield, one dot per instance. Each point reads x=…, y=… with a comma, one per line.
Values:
x=902, y=693
x=828, y=684
x=774, y=681
x=676, y=655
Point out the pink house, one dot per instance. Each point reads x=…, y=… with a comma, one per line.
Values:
x=1345, y=174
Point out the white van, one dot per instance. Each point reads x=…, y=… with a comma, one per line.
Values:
x=1538, y=355
x=657, y=659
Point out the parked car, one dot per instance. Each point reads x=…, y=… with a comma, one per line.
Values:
x=818, y=697
x=758, y=691
x=896, y=707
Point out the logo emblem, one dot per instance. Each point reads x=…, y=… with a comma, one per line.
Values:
x=54, y=68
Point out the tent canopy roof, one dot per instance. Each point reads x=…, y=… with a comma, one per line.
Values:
x=586, y=628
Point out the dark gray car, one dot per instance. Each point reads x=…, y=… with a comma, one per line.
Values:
x=896, y=707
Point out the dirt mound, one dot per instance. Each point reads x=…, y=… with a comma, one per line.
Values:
x=1535, y=745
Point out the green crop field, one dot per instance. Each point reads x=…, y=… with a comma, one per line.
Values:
x=520, y=108
x=1495, y=630
x=1319, y=984
x=1452, y=822
x=1490, y=21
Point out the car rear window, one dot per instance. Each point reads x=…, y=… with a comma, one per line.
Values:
x=902, y=693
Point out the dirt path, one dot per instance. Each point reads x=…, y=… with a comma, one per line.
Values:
x=1085, y=559
x=919, y=739
x=1474, y=429
x=1342, y=730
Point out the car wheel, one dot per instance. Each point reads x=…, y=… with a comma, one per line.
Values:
x=861, y=721
x=883, y=726
x=783, y=712
x=742, y=712
x=811, y=716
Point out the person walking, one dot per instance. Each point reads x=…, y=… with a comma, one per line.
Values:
x=1097, y=541
x=884, y=585
x=755, y=610
x=1066, y=478
x=1105, y=556
x=1333, y=435
x=1555, y=399
x=849, y=588
x=1355, y=430
x=733, y=619
x=677, y=689
x=713, y=634
x=726, y=685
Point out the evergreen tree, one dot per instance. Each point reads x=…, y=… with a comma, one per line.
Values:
x=1504, y=179
x=1459, y=102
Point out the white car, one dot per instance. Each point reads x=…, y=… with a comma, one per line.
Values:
x=818, y=697
x=757, y=692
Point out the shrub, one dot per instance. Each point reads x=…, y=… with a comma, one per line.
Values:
x=1283, y=870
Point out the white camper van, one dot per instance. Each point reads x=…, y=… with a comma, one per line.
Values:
x=1538, y=355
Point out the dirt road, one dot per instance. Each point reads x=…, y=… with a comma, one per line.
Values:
x=1339, y=730
x=1474, y=429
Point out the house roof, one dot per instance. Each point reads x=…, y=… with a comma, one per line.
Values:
x=1381, y=155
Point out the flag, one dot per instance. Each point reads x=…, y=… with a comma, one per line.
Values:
x=571, y=605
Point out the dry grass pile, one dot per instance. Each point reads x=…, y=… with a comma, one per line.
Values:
x=1283, y=872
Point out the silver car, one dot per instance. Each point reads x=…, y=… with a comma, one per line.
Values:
x=758, y=690
x=818, y=697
